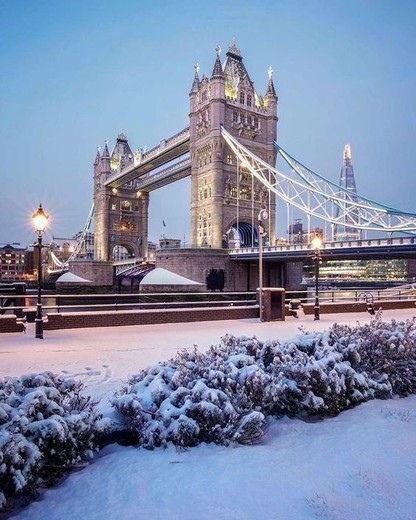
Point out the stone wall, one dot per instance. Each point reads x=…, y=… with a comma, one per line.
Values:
x=10, y=324
x=149, y=317
x=195, y=264
x=99, y=273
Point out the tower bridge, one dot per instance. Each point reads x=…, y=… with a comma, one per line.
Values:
x=229, y=151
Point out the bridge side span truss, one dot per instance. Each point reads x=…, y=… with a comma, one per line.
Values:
x=319, y=197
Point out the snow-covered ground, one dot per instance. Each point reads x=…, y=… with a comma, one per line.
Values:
x=358, y=465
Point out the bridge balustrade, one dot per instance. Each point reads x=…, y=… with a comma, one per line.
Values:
x=150, y=178
x=402, y=241
x=166, y=143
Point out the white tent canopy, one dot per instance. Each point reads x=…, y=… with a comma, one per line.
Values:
x=71, y=278
x=160, y=276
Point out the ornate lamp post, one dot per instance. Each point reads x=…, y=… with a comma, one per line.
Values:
x=40, y=219
x=317, y=244
x=263, y=215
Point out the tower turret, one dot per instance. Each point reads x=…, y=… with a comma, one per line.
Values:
x=217, y=72
x=121, y=155
x=97, y=159
x=194, y=93
x=105, y=160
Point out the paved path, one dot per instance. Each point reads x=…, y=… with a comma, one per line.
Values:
x=104, y=357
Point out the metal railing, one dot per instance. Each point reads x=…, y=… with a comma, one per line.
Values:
x=117, y=302
x=22, y=305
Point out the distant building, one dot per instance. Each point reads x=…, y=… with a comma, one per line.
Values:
x=169, y=243
x=13, y=262
x=151, y=251
x=345, y=230
x=297, y=235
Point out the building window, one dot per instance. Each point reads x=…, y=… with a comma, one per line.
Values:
x=242, y=98
x=235, y=116
x=245, y=193
x=229, y=158
x=249, y=100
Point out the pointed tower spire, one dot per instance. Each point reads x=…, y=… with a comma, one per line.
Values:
x=347, y=179
x=347, y=155
x=97, y=157
x=106, y=153
x=195, y=84
x=217, y=71
x=270, y=91
x=105, y=160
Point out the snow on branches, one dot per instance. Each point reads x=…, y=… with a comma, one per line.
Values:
x=45, y=424
x=226, y=393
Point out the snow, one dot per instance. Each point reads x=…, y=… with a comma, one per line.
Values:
x=71, y=278
x=160, y=276
x=360, y=464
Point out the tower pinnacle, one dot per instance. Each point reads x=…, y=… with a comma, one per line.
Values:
x=347, y=153
x=217, y=71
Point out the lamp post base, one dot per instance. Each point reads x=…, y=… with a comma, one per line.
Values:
x=39, y=322
x=38, y=328
x=316, y=309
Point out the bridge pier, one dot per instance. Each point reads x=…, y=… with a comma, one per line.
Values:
x=197, y=264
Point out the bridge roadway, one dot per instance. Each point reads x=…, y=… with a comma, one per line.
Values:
x=167, y=151
x=374, y=249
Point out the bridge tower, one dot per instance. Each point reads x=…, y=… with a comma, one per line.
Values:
x=121, y=215
x=225, y=198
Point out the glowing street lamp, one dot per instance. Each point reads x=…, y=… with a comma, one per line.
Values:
x=317, y=244
x=39, y=219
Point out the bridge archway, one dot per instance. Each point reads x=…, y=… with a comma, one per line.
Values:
x=122, y=252
x=242, y=234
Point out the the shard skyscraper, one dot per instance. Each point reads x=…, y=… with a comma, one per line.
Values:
x=344, y=230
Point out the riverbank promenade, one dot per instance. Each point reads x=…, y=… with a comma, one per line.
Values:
x=103, y=357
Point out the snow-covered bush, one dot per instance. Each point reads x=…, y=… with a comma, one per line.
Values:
x=193, y=398
x=385, y=350
x=226, y=393
x=45, y=424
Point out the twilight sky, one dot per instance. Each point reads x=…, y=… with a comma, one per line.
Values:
x=75, y=73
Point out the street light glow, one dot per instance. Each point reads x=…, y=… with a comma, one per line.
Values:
x=40, y=219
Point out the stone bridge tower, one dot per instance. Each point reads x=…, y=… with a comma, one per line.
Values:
x=121, y=215
x=226, y=199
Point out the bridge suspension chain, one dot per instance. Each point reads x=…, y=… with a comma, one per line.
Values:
x=78, y=246
x=319, y=197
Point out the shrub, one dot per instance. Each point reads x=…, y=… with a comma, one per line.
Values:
x=226, y=393
x=46, y=424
